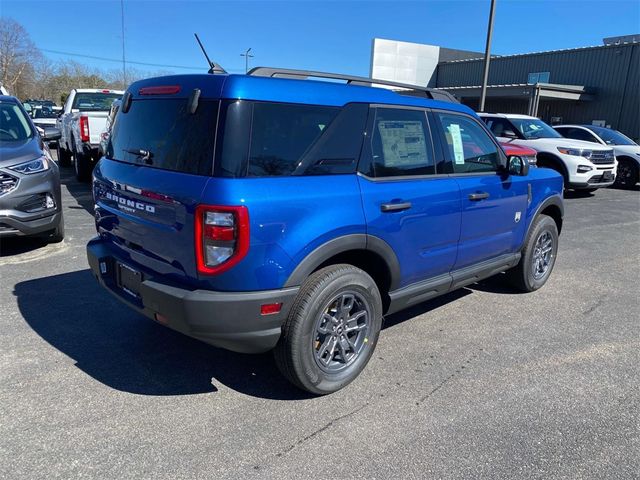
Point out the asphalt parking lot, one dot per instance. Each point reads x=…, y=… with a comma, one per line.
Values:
x=482, y=383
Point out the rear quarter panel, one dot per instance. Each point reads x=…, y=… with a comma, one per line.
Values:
x=289, y=218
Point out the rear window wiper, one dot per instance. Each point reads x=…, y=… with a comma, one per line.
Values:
x=145, y=155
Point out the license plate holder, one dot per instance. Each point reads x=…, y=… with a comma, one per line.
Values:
x=129, y=280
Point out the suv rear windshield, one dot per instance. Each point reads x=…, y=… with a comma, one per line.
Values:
x=162, y=133
x=94, y=102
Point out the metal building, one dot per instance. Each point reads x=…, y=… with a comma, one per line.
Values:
x=598, y=84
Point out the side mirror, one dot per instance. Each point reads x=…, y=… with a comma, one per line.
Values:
x=518, y=166
x=51, y=133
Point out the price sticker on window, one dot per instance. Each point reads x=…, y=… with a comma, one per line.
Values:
x=456, y=138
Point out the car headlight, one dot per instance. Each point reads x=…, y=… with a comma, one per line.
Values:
x=576, y=152
x=33, y=166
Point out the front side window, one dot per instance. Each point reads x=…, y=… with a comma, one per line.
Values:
x=501, y=127
x=468, y=147
x=400, y=143
x=577, y=134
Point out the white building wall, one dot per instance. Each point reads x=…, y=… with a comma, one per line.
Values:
x=404, y=62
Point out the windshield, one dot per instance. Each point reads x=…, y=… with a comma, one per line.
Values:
x=14, y=125
x=611, y=137
x=44, y=113
x=533, y=128
x=162, y=133
x=94, y=102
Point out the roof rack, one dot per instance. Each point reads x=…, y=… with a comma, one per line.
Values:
x=400, y=88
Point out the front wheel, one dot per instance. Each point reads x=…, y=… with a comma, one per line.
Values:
x=538, y=256
x=331, y=331
x=627, y=175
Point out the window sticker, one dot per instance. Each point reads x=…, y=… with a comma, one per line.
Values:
x=403, y=142
x=456, y=137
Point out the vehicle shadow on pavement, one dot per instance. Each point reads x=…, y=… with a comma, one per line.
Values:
x=128, y=352
x=81, y=192
x=19, y=245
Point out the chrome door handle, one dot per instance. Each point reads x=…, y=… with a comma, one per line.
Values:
x=395, y=207
x=474, y=197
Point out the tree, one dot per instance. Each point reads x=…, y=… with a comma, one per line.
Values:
x=17, y=55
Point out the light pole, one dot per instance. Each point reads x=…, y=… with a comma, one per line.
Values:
x=124, y=67
x=487, y=57
x=246, y=56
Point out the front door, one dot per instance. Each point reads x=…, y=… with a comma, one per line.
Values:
x=494, y=204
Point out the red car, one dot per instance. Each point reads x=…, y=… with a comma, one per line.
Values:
x=524, y=152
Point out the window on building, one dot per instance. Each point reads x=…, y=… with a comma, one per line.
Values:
x=538, y=77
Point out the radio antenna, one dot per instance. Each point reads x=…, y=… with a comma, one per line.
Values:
x=214, y=67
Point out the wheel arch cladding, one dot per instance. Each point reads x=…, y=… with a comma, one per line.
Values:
x=551, y=207
x=368, y=253
x=551, y=159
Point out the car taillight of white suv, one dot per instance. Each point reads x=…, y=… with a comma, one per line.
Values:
x=583, y=165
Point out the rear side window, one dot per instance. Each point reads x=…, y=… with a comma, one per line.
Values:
x=400, y=143
x=162, y=133
x=262, y=139
x=468, y=147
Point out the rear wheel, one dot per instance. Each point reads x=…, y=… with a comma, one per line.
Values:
x=331, y=331
x=627, y=175
x=64, y=157
x=538, y=256
x=82, y=164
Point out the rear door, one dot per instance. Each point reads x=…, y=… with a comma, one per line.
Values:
x=494, y=203
x=406, y=202
x=157, y=163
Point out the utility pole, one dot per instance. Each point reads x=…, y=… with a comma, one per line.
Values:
x=487, y=57
x=246, y=56
x=124, y=65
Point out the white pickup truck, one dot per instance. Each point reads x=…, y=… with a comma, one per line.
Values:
x=81, y=122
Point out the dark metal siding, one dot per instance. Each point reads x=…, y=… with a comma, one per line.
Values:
x=612, y=71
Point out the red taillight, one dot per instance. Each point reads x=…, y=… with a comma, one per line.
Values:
x=160, y=90
x=221, y=237
x=84, y=129
x=106, y=91
x=270, y=308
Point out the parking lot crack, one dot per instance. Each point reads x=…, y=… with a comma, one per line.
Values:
x=320, y=430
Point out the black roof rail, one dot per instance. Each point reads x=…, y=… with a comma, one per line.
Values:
x=402, y=88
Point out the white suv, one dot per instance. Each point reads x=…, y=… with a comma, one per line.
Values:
x=583, y=165
x=627, y=151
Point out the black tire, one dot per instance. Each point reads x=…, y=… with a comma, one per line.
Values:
x=82, y=165
x=64, y=157
x=58, y=234
x=627, y=175
x=525, y=276
x=323, y=363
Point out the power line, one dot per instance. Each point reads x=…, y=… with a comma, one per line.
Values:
x=118, y=60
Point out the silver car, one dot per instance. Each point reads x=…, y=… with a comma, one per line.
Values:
x=30, y=199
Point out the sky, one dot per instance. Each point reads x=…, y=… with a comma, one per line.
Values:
x=332, y=36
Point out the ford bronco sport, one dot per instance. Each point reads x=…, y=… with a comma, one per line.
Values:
x=256, y=212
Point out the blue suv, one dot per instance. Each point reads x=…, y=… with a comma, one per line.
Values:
x=256, y=212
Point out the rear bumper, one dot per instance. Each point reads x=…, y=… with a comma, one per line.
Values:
x=230, y=320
